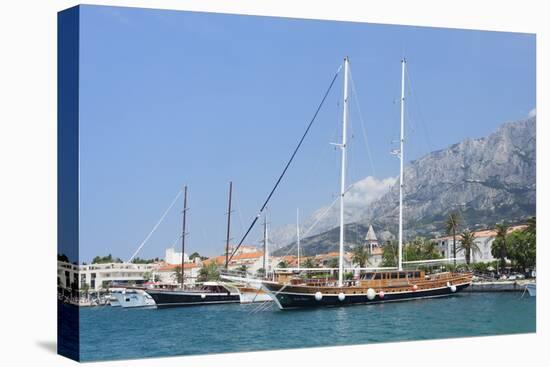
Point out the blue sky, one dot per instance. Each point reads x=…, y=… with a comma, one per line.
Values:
x=171, y=98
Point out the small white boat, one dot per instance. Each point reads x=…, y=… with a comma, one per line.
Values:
x=532, y=289
x=113, y=300
x=251, y=294
x=130, y=298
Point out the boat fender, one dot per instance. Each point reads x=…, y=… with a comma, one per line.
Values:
x=415, y=287
x=381, y=294
x=453, y=288
x=203, y=296
x=371, y=294
x=318, y=296
x=341, y=296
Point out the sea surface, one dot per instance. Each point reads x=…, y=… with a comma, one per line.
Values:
x=108, y=333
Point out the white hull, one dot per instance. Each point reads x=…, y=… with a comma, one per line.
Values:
x=131, y=299
x=532, y=289
x=254, y=296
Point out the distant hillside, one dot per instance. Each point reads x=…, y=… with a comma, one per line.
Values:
x=488, y=180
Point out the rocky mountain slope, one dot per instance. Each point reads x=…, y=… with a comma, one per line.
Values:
x=487, y=180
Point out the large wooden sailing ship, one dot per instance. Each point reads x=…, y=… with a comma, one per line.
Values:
x=292, y=291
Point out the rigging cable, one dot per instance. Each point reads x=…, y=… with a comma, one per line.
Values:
x=156, y=226
x=362, y=122
x=288, y=163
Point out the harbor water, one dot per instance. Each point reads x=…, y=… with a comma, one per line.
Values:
x=108, y=333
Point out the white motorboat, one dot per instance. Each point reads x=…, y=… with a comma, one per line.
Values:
x=532, y=289
x=129, y=298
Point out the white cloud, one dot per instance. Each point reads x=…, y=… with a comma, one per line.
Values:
x=357, y=200
x=368, y=190
x=532, y=113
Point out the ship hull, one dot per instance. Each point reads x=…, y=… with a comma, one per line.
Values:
x=291, y=297
x=168, y=299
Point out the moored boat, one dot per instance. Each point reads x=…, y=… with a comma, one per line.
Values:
x=291, y=291
x=373, y=287
x=207, y=294
x=130, y=298
x=532, y=289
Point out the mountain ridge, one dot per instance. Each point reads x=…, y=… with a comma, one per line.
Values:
x=488, y=180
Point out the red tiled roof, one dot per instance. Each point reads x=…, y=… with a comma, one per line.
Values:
x=170, y=267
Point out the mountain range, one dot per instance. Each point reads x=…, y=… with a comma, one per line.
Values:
x=487, y=180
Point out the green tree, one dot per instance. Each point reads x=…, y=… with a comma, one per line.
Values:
x=63, y=258
x=468, y=245
x=360, y=256
x=260, y=272
x=390, y=254
x=522, y=250
x=532, y=226
x=499, y=248
x=177, y=276
x=243, y=269
x=283, y=264
x=85, y=289
x=420, y=249
x=209, y=272
x=105, y=259
x=452, y=224
x=308, y=263
x=333, y=263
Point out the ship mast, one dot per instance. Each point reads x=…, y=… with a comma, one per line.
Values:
x=401, y=154
x=228, y=226
x=183, y=237
x=298, y=234
x=266, y=247
x=343, y=174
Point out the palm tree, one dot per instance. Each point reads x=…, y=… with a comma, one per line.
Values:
x=283, y=264
x=532, y=226
x=468, y=245
x=308, y=263
x=390, y=254
x=499, y=248
x=451, y=226
x=360, y=256
x=209, y=272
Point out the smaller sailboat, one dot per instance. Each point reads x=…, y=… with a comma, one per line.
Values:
x=206, y=294
x=250, y=291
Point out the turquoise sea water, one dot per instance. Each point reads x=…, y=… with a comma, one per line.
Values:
x=115, y=333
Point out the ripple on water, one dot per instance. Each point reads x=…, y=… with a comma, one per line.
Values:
x=116, y=333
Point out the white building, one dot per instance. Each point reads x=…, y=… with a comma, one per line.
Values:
x=173, y=257
x=246, y=255
x=97, y=276
x=483, y=239
x=167, y=273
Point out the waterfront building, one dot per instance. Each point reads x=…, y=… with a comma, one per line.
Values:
x=97, y=276
x=167, y=273
x=483, y=239
x=247, y=256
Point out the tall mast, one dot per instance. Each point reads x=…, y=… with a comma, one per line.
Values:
x=183, y=237
x=343, y=174
x=401, y=154
x=228, y=226
x=265, y=246
x=298, y=234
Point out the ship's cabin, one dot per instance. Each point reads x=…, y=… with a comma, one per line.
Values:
x=393, y=275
